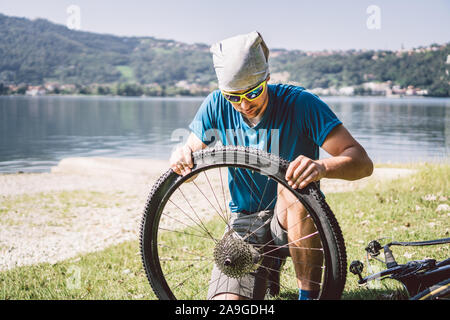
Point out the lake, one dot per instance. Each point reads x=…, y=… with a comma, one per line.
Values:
x=37, y=132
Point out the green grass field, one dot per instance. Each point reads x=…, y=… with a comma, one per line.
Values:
x=402, y=210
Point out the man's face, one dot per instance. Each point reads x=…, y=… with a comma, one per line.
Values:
x=251, y=109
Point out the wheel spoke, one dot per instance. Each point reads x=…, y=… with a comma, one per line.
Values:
x=298, y=240
x=263, y=194
x=196, y=259
x=269, y=269
x=188, y=225
x=295, y=262
x=181, y=222
x=183, y=232
x=254, y=220
x=300, y=278
x=254, y=231
x=218, y=213
x=195, y=213
x=224, y=197
x=180, y=284
x=213, y=192
x=197, y=254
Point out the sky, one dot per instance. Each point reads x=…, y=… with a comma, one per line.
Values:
x=289, y=24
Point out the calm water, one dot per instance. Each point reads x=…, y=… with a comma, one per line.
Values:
x=37, y=132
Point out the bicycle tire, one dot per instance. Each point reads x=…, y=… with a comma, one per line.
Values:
x=334, y=274
x=437, y=291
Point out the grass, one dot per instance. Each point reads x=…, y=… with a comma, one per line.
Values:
x=115, y=273
x=399, y=210
x=402, y=210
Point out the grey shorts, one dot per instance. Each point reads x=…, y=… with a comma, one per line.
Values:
x=264, y=229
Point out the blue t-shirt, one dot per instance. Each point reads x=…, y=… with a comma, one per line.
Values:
x=295, y=122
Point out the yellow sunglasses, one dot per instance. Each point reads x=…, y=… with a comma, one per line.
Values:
x=250, y=95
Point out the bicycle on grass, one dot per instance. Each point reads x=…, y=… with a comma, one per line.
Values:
x=425, y=279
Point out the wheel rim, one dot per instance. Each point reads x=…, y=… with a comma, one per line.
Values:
x=183, y=271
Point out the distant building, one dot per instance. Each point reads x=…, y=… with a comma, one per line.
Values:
x=35, y=91
x=377, y=88
x=346, y=91
x=279, y=77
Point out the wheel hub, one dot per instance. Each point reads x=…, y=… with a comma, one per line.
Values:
x=235, y=257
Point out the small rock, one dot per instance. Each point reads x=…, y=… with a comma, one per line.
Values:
x=443, y=207
x=408, y=255
x=429, y=197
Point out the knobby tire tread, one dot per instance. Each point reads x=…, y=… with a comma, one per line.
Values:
x=311, y=194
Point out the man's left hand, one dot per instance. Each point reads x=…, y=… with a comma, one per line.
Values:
x=303, y=171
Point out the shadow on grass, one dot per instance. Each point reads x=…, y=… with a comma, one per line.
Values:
x=287, y=295
x=358, y=294
x=375, y=294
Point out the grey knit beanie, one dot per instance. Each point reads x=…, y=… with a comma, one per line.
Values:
x=241, y=62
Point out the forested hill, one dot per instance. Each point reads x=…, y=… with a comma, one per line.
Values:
x=35, y=52
x=39, y=51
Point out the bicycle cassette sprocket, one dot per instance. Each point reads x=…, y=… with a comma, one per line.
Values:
x=235, y=257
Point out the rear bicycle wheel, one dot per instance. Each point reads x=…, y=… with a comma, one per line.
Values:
x=439, y=291
x=184, y=222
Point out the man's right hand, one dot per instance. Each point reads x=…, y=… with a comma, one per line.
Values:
x=181, y=160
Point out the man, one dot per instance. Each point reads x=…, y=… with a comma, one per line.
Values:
x=246, y=103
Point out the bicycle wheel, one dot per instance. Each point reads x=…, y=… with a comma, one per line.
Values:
x=439, y=291
x=184, y=223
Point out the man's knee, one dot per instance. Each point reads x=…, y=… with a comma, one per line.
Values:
x=288, y=205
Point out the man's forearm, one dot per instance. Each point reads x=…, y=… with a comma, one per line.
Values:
x=194, y=143
x=352, y=164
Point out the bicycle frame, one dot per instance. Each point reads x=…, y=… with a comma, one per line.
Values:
x=414, y=275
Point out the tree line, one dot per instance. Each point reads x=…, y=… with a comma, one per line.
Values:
x=38, y=52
